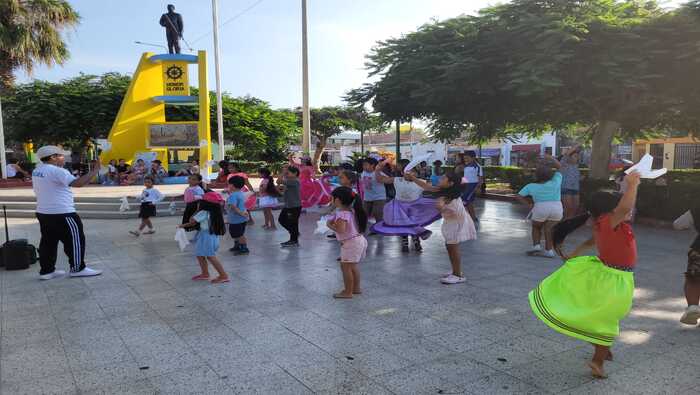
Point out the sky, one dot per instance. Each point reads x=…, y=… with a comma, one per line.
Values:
x=260, y=49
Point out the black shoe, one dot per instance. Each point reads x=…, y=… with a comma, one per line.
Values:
x=234, y=248
x=289, y=243
x=426, y=235
x=242, y=252
x=404, y=248
x=331, y=236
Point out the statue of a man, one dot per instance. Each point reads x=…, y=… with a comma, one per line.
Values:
x=172, y=22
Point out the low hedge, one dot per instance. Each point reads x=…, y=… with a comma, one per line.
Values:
x=665, y=198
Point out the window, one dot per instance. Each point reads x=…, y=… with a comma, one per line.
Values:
x=657, y=151
x=685, y=155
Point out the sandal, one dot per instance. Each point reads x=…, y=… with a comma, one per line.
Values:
x=220, y=280
x=339, y=295
x=200, y=277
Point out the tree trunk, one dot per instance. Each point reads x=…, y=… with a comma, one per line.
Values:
x=602, y=147
x=320, y=146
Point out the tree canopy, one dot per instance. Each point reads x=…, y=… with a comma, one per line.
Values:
x=618, y=67
x=81, y=108
x=30, y=33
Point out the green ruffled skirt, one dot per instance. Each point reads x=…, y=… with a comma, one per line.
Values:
x=584, y=299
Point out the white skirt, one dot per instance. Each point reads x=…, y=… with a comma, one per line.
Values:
x=268, y=202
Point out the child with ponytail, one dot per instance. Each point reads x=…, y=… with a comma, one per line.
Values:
x=269, y=197
x=457, y=224
x=349, y=223
x=588, y=296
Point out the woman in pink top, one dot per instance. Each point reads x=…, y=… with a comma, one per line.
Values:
x=349, y=222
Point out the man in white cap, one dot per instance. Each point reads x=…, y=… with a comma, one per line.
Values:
x=55, y=210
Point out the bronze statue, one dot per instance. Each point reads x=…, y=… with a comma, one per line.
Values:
x=172, y=22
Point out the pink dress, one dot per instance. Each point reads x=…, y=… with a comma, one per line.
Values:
x=353, y=245
x=313, y=192
x=457, y=224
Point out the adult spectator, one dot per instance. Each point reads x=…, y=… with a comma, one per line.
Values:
x=473, y=179
x=14, y=171
x=123, y=170
x=157, y=172
x=55, y=210
x=571, y=181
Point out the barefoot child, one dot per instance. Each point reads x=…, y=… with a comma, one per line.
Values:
x=588, y=296
x=692, y=275
x=149, y=198
x=457, y=224
x=193, y=194
x=237, y=215
x=268, y=197
x=348, y=224
x=210, y=218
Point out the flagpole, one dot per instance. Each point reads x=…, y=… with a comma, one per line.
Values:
x=217, y=71
x=306, y=112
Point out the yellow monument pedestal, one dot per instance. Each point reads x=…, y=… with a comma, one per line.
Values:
x=140, y=128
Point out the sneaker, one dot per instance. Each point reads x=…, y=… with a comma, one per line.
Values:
x=234, y=248
x=426, y=235
x=87, y=272
x=691, y=315
x=452, y=279
x=546, y=254
x=242, y=251
x=135, y=233
x=289, y=243
x=50, y=276
x=149, y=232
x=534, y=250
x=331, y=236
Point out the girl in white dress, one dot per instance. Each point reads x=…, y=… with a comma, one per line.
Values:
x=457, y=225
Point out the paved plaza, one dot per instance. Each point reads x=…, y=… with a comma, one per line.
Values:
x=144, y=327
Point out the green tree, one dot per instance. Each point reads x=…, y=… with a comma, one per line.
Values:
x=619, y=67
x=326, y=122
x=30, y=33
x=69, y=112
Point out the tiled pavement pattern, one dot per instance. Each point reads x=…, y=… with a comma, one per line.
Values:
x=144, y=327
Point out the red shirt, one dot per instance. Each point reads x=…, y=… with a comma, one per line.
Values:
x=616, y=246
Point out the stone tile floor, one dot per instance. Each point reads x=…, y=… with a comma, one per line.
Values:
x=144, y=327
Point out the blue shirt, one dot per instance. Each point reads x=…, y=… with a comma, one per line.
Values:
x=236, y=199
x=549, y=191
x=373, y=189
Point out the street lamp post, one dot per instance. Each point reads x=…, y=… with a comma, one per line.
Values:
x=306, y=112
x=217, y=71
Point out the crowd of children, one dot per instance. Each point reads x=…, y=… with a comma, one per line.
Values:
x=585, y=298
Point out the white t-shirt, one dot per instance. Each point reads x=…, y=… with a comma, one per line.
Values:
x=11, y=171
x=151, y=195
x=52, y=189
x=407, y=191
x=472, y=172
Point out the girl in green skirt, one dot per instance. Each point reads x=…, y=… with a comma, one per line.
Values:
x=588, y=296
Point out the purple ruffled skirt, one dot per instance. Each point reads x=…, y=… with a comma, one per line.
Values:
x=407, y=218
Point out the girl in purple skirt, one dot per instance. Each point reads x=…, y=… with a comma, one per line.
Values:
x=408, y=213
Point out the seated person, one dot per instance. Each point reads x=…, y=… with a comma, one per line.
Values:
x=192, y=168
x=123, y=170
x=15, y=171
x=138, y=171
x=157, y=172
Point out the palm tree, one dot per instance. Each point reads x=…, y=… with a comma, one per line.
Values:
x=30, y=33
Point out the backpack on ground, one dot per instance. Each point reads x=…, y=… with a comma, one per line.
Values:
x=16, y=254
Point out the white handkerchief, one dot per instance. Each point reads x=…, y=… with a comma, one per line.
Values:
x=644, y=168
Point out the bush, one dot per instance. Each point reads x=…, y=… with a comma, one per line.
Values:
x=665, y=198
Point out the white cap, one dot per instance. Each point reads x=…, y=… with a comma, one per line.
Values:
x=49, y=150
